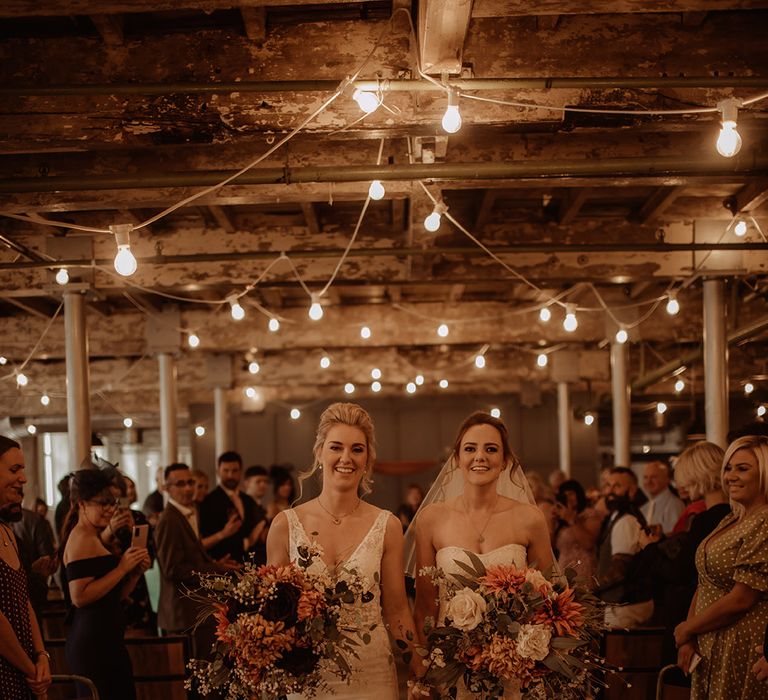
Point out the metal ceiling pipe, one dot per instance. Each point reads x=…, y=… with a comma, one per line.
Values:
x=544, y=248
x=748, y=163
x=395, y=85
x=740, y=334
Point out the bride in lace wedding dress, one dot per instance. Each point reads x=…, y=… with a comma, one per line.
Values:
x=353, y=536
x=480, y=503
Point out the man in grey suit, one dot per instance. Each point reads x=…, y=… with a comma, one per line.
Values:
x=181, y=557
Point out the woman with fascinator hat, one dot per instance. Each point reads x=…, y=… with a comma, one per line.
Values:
x=480, y=503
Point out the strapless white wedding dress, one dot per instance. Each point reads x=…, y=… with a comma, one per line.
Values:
x=373, y=673
x=446, y=559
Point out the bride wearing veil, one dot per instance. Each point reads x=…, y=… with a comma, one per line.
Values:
x=481, y=503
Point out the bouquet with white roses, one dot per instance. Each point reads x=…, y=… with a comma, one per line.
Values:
x=506, y=626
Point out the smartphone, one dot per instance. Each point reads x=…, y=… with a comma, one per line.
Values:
x=695, y=661
x=139, y=536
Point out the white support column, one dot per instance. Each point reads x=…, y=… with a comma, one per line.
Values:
x=78, y=390
x=621, y=398
x=564, y=426
x=715, y=362
x=221, y=420
x=169, y=439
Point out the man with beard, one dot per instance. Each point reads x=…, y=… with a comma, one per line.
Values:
x=24, y=663
x=618, y=543
x=228, y=516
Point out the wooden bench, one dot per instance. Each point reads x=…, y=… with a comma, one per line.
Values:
x=639, y=653
x=159, y=666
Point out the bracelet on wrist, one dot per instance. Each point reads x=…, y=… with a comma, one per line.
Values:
x=42, y=652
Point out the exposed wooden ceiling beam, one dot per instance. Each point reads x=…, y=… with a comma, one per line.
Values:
x=510, y=8
x=655, y=205
x=443, y=26
x=222, y=218
x=110, y=27
x=255, y=21
x=749, y=197
x=484, y=210
x=571, y=204
x=310, y=215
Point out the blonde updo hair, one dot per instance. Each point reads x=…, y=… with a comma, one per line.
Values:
x=698, y=469
x=356, y=417
x=758, y=446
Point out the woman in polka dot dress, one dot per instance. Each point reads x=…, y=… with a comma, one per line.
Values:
x=728, y=613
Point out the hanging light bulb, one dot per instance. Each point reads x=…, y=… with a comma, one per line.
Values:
x=749, y=387
x=728, y=140
x=349, y=387
x=443, y=383
x=22, y=379
x=31, y=429
x=325, y=362
x=45, y=399
x=542, y=360
x=622, y=336
x=365, y=332
x=673, y=305
x=410, y=387
x=62, y=276
x=375, y=387
x=589, y=419
x=544, y=314
x=274, y=325
x=254, y=367
x=570, y=323
x=128, y=422
x=193, y=339
x=237, y=311
x=250, y=392
x=740, y=229
x=199, y=430
x=376, y=190
x=443, y=330
x=452, y=117
x=3, y=360
x=419, y=379
x=661, y=407
x=761, y=411
x=295, y=413
x=496, y=412
x=679, y=385
x=479, y=361
x=366, y=100
x=315, y=310
x=375, y=373
x=432, y=222
x=125, y=262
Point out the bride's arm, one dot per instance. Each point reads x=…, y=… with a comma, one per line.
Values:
x=539, y=546
x=394, y=603
x=277, y=541
x=426, y=592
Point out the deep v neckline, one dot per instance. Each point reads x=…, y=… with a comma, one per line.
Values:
x=343, y=562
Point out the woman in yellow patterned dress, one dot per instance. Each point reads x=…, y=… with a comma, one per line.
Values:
x=728, y=613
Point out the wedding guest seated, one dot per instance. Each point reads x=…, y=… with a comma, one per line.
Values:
x=577, y=538
x=663, y=507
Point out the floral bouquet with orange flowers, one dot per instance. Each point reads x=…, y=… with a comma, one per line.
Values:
x=278, y=630
x=506, y=628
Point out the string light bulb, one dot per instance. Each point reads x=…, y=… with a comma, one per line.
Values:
x=443, y=330
x=325, y=362
x=375, y=373
x=589, y=418
x=62, y=276
x=125, y=262
x=419, y=379
x=570, y=323
x=365, y=332
x=728, y=140
x=199, y=430
x=376, y=190
x=366, y=100
x=237, y=311
x=496, y=412
x=31, y=429
x=274, y=324
x=661, y=407
x=749, y=387
x=410, y=387
x=3, y=360
x=128, y=422
x=375, y=387
x=679, y=385
x=545, y=314
x=740, y=229
x=443, y=383
x=250, y=392
x=673, y=305
x=254, y=367
x=349, y=388
x=295, y=413
x=433, y=220
x=22, y=379
x=622, y=336
x=452, y=118
x=542, y=360
x=193, y=339
x=45, y=399
x=315, y=309
x=761, y=411
x=479, y=361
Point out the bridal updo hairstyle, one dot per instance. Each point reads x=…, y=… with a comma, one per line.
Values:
x=356, y=417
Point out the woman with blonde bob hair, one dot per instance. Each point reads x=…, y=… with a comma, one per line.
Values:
x=727, y=617
x=352, y=536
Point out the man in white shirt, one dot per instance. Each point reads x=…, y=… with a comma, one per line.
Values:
x=663, y=508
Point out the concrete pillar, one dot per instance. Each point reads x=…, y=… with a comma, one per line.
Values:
x=78, y=390
x=621, y=412
x=169, y=439
x=221, y=420
x=715, y=362
x=564, y=426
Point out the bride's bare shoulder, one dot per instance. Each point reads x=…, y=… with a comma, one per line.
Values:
x=518, y=509
x=433, y=513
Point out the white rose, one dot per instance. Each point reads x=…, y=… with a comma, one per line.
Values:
x=536, y=579
x=466, y=609
x=533, y=641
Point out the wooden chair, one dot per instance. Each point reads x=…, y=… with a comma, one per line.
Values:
x=63, y=688
x=639, y=654
x=672, y=684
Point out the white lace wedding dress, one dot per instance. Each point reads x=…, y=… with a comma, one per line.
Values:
x=374, y=676
x=446, y=559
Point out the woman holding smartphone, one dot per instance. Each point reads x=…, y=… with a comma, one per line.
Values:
x=98, y=582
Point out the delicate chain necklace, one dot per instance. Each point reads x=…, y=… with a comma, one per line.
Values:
x=480, y=538
x=338, y=518
x=6, y=543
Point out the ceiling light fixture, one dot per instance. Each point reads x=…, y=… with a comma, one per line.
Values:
x=673, y=305
x=452, y=118
x=274, y=324
x=125, y=262
x=432, y=222
x=376, y=190
x=237, y=311
x=366, y=100
x=62, y=276
x=315, y=309
x=570, y=323
x=728, y=140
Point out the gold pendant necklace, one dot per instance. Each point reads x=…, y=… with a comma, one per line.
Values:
x=479, y=533
x=336, y=519
x=6, y=543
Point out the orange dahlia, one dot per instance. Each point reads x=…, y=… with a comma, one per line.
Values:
x=311, y=604
x=562, y=612
x=502, y=579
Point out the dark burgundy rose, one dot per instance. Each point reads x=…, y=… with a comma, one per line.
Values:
x=283, y=606
x=298, y=661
